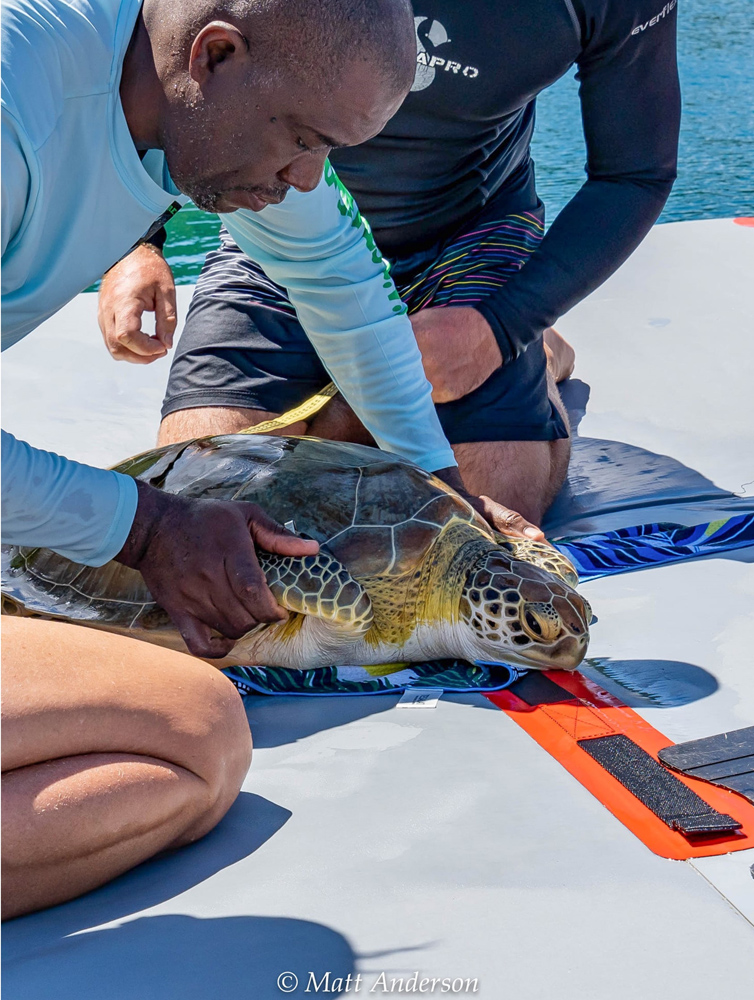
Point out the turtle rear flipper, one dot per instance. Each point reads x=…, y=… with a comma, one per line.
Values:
x=320, y=586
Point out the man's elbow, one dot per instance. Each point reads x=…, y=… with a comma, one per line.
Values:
x=659, y=187
x=661, y=180
x=655, y=182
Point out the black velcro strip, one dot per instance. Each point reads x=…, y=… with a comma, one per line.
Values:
x=668, y=798
x=711, y=749
x=536, y=689
x=726, y=759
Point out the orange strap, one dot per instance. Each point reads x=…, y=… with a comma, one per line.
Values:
x=592, y=712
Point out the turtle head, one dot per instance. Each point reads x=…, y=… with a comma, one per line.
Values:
x=518, y=610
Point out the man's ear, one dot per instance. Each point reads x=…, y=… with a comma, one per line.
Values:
x=218, y=42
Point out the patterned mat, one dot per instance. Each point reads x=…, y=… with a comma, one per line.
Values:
x=593, y=556
x=387, y=678
x=654, y=545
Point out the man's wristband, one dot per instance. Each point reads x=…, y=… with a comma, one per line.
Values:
x=156, y=240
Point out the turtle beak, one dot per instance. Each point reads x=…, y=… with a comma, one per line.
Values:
x=569, y=652
x=566, y=654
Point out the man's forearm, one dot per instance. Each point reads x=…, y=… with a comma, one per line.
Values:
x=320, y=249
x=592, y=236
x=81, y=512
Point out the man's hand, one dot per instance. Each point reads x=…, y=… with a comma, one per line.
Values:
x=502, y=519
x=458, y=349
x=198, y=559
x=141, y=282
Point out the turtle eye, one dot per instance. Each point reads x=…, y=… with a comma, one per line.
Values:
x=541, y=621
x=532, y=625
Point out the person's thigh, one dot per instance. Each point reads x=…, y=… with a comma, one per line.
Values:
x=525, y=475
x=73, y=690
x=526, y=465
x=204, y=421
x=112, y=751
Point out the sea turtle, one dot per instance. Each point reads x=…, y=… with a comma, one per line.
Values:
x=407, y=570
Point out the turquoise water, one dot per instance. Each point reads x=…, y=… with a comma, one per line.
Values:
x=716, y=166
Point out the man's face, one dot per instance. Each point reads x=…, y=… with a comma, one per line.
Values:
x=243, y=143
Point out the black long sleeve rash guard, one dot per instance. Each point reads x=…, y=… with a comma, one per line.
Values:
x=463, y=135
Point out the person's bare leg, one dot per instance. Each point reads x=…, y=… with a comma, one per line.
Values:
x=202, y=421
x=524, y=475
x=336, y=421
x=113, y=750
x=561, y=357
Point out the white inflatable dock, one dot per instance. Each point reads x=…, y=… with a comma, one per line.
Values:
x=446, y=842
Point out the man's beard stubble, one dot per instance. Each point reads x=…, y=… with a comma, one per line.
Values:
x=207, y=191
x=208, y=196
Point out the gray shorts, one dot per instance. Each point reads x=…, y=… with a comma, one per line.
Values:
x=242, y=345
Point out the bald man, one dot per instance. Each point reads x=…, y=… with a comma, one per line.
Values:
x=114, y=113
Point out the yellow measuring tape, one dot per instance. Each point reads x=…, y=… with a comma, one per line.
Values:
x=307, y=409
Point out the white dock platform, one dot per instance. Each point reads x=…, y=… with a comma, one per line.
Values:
x=447, y=842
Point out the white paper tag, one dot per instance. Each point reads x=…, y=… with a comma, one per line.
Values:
x=291, y=526
x=420, y=697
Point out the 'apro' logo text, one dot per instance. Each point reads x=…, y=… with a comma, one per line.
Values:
x=433, y=35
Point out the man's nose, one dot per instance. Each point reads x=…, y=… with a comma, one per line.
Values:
x=305, y=172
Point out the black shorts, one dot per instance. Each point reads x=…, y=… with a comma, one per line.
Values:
x=242, y=345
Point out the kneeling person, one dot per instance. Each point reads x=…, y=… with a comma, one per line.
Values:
x=244, y=357
x=449, y=188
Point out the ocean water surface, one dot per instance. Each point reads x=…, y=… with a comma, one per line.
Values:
x=716, y=164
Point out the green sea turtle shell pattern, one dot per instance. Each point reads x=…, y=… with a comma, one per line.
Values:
x=376, y=514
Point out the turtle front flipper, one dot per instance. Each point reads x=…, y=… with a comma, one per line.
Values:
x=540, y=554
x=319, y=586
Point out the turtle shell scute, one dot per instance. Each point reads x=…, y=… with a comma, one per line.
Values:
x=366, y=551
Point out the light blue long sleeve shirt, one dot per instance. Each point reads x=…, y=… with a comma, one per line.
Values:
x=76, y=197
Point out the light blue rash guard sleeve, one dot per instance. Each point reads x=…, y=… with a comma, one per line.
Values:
x=16, y=184
x=321, y=250
x=81, y=512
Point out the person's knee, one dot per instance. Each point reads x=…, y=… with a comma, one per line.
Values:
x=561, y=357
x=220, y=748
x=192, y=716
x=220, y=734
